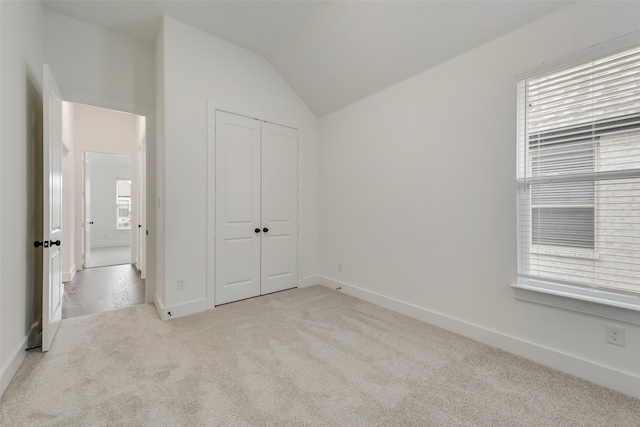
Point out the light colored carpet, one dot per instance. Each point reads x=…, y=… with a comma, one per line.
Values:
x=308, y=356
x=116, y=255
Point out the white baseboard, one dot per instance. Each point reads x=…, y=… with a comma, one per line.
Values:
x=180, y=310
x=309, y=281
x=67, y=276
x=623, y=382
x=16, y=359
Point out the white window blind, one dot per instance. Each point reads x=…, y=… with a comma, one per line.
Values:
x=579, y=175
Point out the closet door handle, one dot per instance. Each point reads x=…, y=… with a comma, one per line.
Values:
x=257, y=230
x=265, y=229
x=51, y=243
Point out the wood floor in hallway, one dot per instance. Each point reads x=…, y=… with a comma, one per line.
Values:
x=102, y=289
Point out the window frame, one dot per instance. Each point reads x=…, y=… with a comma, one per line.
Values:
x=121, y=205
x=618, y=305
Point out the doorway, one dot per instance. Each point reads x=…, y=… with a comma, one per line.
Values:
x=104, y=169
x=107, y=209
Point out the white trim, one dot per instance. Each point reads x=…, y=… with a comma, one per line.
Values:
x=595, y=302
x=67, y=276
x=211, y=203
x=16, y=359
x=309, y=281
x=623, y=382
x=583, y=55
x=159, y=306
x=181, y=310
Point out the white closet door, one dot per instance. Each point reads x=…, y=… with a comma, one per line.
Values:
x=279, y=208
x=237, y=267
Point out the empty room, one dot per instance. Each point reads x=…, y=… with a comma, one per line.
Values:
x=345, y=212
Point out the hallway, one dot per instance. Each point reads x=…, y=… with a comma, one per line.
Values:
x=102, y=289
x=116, y=255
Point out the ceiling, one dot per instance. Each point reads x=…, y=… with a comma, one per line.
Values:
x=332, y=53
x=109, y=159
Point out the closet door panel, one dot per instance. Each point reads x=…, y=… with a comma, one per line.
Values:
x=238, y=194
x=279, y=208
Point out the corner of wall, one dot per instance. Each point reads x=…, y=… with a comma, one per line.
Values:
x=158, y=203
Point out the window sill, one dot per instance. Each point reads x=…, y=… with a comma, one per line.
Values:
x=596, y=302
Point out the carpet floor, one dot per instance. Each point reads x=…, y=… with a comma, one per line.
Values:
x=304, y=357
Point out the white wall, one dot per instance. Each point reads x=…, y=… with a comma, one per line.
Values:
x=199, y=67
x=103, y=203
x=68, y=194
x=101, y=130
x=20, y=177
x=88, y=60
x=418, y=198
x=98, y=67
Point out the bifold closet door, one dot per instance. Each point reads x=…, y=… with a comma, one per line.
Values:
x=256, y=208
x=279, y=254
x=238, y=198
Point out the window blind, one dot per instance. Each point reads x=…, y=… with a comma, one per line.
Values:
x=578, y=171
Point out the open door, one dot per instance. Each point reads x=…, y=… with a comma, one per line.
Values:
x=86, y=210
x=52, y=208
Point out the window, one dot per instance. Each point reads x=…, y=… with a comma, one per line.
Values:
x=579, y=179
x=562, y=214
x=123, y=204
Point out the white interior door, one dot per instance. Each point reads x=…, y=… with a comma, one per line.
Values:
x=237, y=265
x=86, y=207
x=52, y=203
x=279, y=253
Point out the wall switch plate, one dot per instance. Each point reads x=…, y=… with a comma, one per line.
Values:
x=180, y=284
x=615, y=335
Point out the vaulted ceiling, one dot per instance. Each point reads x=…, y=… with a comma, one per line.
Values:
x=332, y=53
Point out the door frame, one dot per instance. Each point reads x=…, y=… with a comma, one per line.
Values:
x=136, y=203
x=212, y=108
x=150, y=218
x=83, y=221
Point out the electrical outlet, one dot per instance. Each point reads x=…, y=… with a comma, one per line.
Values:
x=180, y=284
x=340, y=267
x=615, y=335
